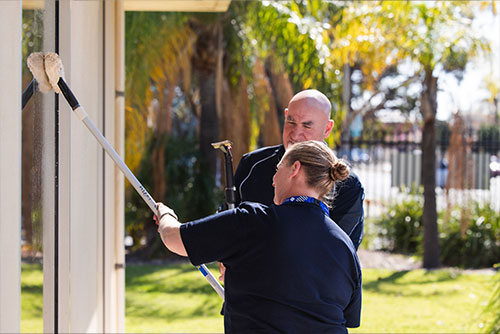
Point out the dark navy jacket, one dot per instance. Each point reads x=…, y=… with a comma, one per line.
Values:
x=289, y=268
x=254, y=182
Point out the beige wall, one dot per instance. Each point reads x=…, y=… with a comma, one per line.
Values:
x=10, y=166
x=87, y=197
x=80, y=161
x=114, y=215
x=90, y=202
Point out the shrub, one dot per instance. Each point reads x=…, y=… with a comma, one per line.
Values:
x=473, y=245
x=190, y=191
x=401, y=226
x=476, y=246
x=493, y=307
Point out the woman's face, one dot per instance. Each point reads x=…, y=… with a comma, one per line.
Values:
x=281, y=182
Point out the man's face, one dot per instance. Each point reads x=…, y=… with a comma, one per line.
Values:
x=303, y=122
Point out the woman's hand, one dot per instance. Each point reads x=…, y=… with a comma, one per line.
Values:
x=169, y=229
x=164, y=210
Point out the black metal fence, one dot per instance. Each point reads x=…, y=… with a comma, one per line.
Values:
x=387, y=166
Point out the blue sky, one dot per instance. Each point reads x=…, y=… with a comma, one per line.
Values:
x=467, y=95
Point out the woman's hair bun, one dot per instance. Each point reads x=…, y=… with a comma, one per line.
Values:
x=339, y=170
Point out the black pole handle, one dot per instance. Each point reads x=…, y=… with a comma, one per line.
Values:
x=68, y=94
x=230, y=189
x=28, y=92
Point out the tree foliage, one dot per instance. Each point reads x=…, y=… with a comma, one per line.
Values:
x=241, y=67
x=151, y=72
x=437, y=37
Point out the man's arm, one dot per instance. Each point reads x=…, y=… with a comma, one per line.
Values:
x=347, y=208
x=254, y=176
x=241, y=172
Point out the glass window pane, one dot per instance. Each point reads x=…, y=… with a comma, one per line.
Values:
x=38, y=175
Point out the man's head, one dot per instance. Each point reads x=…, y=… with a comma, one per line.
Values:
x=307, y=118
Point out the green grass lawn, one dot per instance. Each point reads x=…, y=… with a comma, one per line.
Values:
x=31, y=298
x=177, y=299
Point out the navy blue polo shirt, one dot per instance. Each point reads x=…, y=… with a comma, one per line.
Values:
x=254, y=182
x=289, y=268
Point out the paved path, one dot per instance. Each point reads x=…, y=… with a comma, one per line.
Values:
x=386, y=260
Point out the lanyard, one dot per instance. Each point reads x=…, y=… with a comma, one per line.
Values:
x=308, y=199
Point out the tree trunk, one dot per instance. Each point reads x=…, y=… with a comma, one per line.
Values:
x=280, y=85
x=209, y=122
x=206, y=61
x=235, y=119
x=270, y=133
x=429, y=216
x=346, y=123
x=495, y=108
x=458, y=177
x=159, y=187
x=159, y=181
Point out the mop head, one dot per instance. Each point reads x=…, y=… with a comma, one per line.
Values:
x=54, y=69
x=46, y=68
x=35, y=64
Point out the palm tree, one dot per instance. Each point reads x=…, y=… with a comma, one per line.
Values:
x=437, y=37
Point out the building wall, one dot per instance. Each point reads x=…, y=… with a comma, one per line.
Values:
x=81, y=188
x=82, y=191
x=87, y=176
x=10, y=167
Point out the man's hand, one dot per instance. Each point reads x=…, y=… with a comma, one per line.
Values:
x=222, y=270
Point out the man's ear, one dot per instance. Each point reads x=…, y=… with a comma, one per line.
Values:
x=328, y=128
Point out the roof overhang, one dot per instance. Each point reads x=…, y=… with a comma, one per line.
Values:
x=158, y=5
x=177, y=5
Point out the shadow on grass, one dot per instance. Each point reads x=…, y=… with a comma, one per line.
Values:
x=398, y=282
x=31, y=267
x=180, y=286
x=141, y=271
x=32, y=288
x=187, y=286
x=205, y=306
x=175, y=279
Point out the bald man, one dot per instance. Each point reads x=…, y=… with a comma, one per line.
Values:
x=306, y=118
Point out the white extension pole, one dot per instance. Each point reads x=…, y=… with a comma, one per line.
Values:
x=83, y=116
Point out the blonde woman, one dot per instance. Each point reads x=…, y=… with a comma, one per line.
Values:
x=289, y=267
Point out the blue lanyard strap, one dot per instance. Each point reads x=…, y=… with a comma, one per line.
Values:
x=308, y=199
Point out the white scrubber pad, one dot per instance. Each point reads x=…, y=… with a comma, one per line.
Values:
x=54, y=69
x=36, y=66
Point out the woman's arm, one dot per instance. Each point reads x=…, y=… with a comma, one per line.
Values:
x=169, y=229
